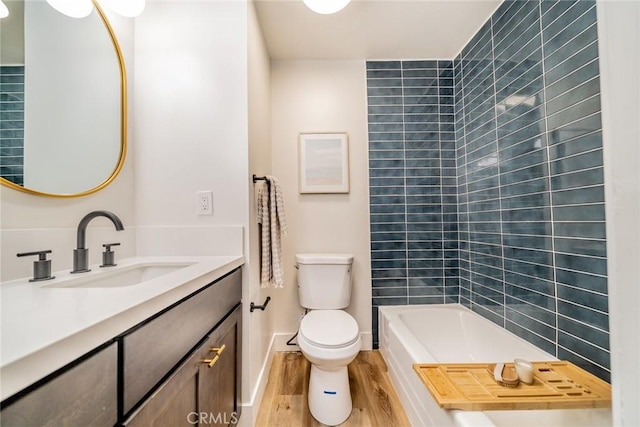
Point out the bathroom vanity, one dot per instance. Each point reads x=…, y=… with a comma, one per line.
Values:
x=162, y=348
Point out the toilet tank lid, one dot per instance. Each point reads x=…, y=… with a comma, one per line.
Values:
x=324, y=258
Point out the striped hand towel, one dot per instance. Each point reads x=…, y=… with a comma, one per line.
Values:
x=273, y=225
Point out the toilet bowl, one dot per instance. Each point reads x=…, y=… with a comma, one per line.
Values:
x=330, y=340
x=328, y=337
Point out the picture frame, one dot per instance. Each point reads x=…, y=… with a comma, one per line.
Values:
x=324, y=162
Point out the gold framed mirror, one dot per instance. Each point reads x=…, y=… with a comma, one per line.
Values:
x=74, y=110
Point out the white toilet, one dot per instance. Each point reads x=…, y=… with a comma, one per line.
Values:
x=329, y=337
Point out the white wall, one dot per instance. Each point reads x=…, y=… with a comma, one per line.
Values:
x=619, y=45
x=322, y=96
x=258, y=325
x=31, y=223
x=191, y=112
x=11, y=31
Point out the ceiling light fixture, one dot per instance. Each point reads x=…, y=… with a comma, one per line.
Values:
x=4, y=12
x=72, y=8
x=326, y=7
x=128, y=8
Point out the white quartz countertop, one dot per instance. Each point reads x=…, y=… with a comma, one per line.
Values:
x=44, y=327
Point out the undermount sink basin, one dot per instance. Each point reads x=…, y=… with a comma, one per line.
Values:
x=115, y=277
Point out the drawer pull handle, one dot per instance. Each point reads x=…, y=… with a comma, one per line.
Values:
x=218, y=351
x=211, y=362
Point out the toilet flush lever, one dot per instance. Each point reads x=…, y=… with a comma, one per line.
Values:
x=41, y=267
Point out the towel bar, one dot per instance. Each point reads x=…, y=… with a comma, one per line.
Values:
x=259, y=307
x=257, y=178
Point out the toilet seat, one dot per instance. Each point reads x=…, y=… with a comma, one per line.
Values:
x=329, y=328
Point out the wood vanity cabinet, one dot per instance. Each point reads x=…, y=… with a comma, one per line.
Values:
x=180, y=367
x=83, y=394
x=204, y=390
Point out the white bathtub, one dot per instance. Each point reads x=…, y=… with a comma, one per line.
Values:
x=451, y=333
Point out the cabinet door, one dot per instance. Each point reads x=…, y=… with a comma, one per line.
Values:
x=84, y=394
x=220, y=379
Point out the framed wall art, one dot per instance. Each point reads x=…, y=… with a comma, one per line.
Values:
x=324, y=162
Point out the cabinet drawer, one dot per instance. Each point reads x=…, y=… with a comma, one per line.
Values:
x=83, y=395
x=153, y=349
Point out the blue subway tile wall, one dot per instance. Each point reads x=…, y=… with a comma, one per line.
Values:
x=12, y=123
x=412, y=178
x=524, y=118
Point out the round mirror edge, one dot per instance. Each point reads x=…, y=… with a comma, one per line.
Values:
x=123, y=123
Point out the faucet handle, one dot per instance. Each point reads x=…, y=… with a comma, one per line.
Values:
x=41, y=267
x=108, y=256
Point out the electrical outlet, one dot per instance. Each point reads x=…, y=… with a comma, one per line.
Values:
x=204, y=201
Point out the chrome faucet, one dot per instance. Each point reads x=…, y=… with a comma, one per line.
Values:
x=81, y=254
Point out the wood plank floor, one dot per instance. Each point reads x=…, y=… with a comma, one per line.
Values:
x=375, y=402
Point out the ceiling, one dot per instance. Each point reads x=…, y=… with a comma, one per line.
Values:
x=372, y=29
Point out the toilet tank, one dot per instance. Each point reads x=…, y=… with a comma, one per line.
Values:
x=324, y=280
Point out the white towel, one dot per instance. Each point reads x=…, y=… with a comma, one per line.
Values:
x=271, y=217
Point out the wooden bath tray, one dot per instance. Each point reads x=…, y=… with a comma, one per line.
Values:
x=556, y=385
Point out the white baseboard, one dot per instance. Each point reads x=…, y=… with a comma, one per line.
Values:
x=250, y=409
x=280, y=342
x=367, y=341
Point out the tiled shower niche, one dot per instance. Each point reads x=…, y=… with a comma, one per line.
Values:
x=531, y=253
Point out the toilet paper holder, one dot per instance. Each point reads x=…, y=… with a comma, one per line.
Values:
x=252, y=306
